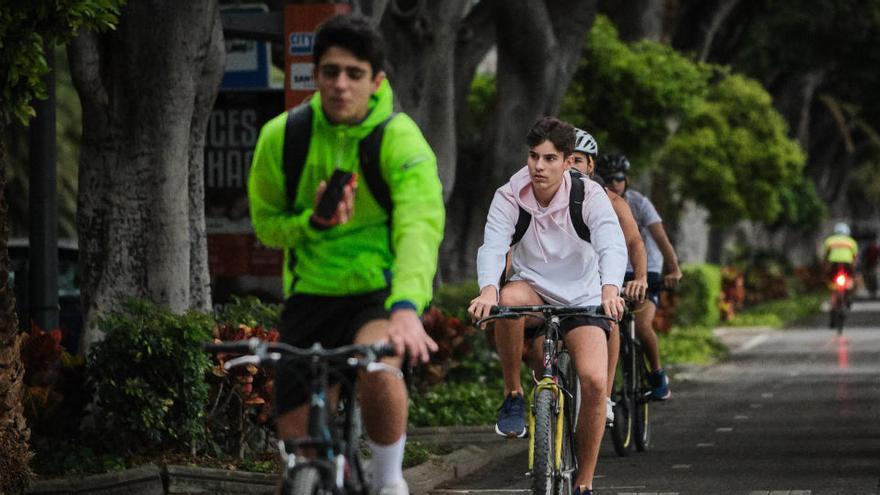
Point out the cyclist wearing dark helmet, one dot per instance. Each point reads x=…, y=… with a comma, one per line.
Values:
x=614, y=170
x=586, y=150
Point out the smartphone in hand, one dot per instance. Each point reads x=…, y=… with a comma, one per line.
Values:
x=333, y=194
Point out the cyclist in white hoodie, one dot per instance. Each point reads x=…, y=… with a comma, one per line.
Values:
x=553, y=264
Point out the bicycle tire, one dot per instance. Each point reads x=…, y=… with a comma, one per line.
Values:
x=543, y=438
x=623, y=393
x=305, y=480
x=641, y=401
x=568, y=469
x=841, y=313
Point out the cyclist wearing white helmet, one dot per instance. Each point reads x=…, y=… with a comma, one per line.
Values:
x=585, y=152
x=613, y=169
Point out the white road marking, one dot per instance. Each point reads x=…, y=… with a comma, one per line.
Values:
x=767, y=395
x=705, y=445
x=756, y=406
x=724, y=429
x=741, y=417
x=753, y=342
x=681, y=466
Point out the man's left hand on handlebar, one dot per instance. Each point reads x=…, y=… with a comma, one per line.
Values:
x=481, y=305
x=612, y=303
x=406, y=333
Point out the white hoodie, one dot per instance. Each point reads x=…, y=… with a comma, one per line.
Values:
x=560, y=266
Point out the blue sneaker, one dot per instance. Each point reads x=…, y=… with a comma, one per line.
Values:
x=659, y=385
x=511, y=417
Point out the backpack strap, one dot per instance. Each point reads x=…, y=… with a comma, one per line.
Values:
x=370, y=150
x=576, y=204
x=297, y=135
x=522, y=224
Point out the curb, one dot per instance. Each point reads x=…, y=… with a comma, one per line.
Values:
x=458, y=464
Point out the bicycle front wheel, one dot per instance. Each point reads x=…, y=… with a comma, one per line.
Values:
x=623, y=395
x=305, y=480
x=568, y=467
x=641, y=401
x=543, y=438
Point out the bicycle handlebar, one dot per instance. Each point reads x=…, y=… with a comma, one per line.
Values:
x=548, y=310
x=256, y=351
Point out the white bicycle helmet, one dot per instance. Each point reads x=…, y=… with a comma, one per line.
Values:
x=841, y=228
x=585, y=143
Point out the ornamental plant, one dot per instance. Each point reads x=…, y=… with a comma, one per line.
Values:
x=149, y=377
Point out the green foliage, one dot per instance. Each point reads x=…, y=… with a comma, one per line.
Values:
x=780, y=313
x=629, y=95
x=457, y=403
x=733, y=156
x=250, y=311
x=454, y=299
x=149, y=376
x=698, y=294
x=68, y=136
x=690, y=345
x=66, y=458
x=24, y=28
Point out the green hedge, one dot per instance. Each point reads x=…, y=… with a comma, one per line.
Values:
x=698, y=294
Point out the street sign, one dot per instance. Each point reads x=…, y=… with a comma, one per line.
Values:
x=300, y=22
x=247, y=60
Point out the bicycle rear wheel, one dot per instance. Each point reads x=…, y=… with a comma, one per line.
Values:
x=568, y=468
x=543, y=438
x=841, y=313
x=622, y=395
x=641, y=401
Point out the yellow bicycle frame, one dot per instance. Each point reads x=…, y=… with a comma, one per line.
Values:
x=548, y=383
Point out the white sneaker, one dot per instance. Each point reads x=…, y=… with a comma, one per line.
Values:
x=395, y=488
x=609, y=411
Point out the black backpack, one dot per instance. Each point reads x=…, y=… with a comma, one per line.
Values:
x=575, y=208
x=297, y=137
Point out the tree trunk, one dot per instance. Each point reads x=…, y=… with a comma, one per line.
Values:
x=14, y=433
x=539, y=44
x=637, y=19
x=146, y=90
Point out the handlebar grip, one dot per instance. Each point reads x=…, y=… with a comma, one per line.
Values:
x=236, y=347
x=384, y=349
x=495, y=310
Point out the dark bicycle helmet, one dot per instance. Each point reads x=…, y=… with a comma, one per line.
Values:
x=611, y=165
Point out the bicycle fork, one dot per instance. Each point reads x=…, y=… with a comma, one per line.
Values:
x=548, y=384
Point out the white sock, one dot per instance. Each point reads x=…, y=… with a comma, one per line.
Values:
x=386, y=465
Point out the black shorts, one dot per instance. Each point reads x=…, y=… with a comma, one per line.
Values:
x=655, y=283
x=330, y=321
x=567, y=324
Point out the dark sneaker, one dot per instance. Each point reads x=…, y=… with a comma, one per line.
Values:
x=659, y=385
x=512, y=417
x=583, y=491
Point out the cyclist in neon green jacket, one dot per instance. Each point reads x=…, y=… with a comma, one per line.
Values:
x=365, y=273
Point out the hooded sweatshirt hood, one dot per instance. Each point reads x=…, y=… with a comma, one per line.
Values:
x=560, y=266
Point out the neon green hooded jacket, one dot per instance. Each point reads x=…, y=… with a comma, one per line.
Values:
x=355, y=257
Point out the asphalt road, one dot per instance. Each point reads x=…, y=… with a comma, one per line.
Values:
x=792, y=412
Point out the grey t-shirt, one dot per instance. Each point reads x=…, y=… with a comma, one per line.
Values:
x=645, y=214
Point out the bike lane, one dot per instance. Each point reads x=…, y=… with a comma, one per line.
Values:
x=790, y=412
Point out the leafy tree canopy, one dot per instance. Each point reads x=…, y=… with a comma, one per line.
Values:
x=631, y=96
x=733, y=155
x=25, y=26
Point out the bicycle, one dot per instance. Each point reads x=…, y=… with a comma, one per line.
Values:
x=631, y=393
x=555, y=400
x=336, y=467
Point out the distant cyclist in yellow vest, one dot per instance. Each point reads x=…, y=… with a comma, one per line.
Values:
x=839, y=253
